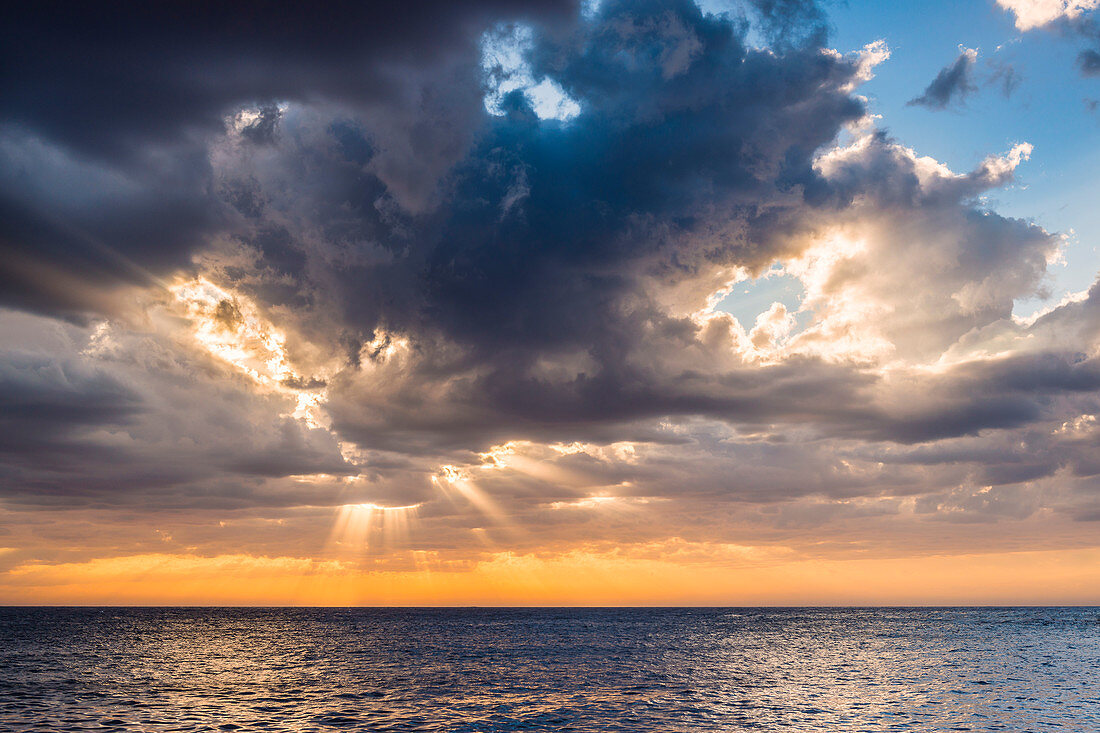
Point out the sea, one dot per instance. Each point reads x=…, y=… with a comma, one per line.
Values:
x=550, y=669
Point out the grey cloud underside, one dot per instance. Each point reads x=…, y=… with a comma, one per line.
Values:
x=140, y=424
x=521, y=262
x=1089, y=61
x=953, y=83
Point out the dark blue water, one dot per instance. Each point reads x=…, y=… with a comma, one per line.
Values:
x=564, y=669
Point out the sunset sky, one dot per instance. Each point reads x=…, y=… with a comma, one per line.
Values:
x=512, y=302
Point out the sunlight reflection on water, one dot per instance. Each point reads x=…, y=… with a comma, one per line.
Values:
x=549, y=669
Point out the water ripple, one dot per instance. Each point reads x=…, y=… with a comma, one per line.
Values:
x=482, y=670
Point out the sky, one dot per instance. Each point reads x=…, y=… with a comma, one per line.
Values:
x=547, y=303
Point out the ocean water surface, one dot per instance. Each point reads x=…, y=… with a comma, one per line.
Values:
x=159, y=669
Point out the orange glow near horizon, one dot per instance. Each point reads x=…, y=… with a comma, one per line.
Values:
x=573, y=578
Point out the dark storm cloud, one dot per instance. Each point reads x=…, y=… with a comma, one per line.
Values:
x=645, y=168
x=917, y=215
x=384, y=202
x=61, y=253
x=453, y=279
x=952, y=83
x=108, y=81
x=679, y=117
x=118, y=103
x=691, y=149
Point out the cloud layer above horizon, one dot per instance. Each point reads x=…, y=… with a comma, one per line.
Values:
x=446, y=280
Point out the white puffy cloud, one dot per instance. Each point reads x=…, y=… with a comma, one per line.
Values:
x=1037, y=13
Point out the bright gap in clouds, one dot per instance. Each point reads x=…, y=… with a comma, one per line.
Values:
x=748, y=299
x=359, y=527
x=229, y=327
x=505, y=69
